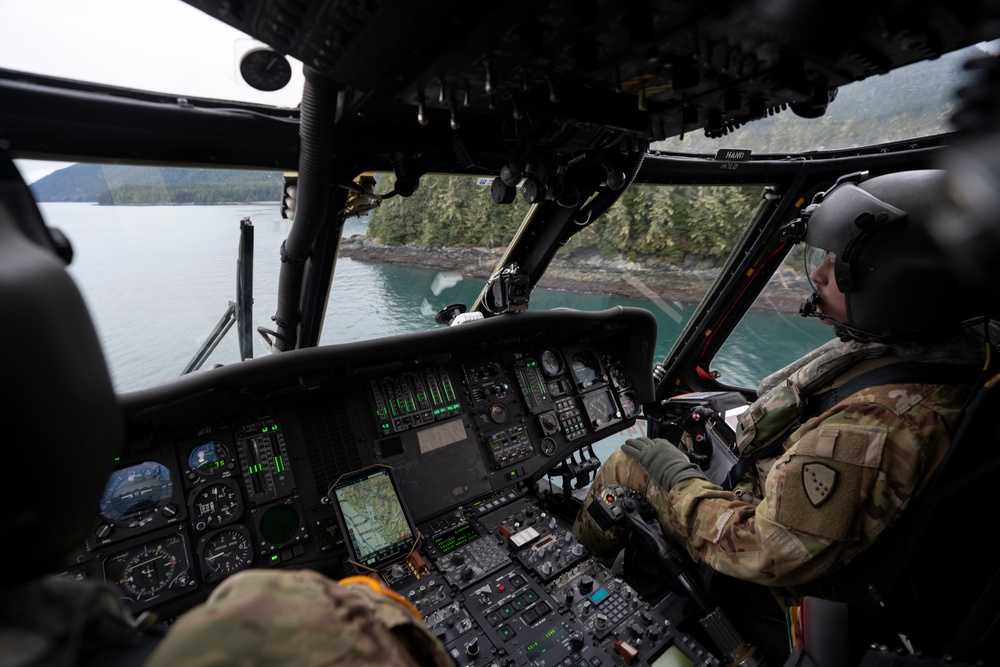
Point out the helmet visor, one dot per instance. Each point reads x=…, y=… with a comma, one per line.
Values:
x=814, y=258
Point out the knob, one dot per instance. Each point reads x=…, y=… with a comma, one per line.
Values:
x=501, y=193
x=653, y=632
x=472, y=648
x=467, y=573
x=458, y=559
x=601, y=621
x=576, y=641
x=532, y=189
x=103, y=530
x=576, y=549
x=586, y=584
x=546, y=568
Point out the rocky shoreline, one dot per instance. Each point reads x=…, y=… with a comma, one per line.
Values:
x=595, y=275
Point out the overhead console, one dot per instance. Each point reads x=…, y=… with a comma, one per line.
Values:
x=534, y=85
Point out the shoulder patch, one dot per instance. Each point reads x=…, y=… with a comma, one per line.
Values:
x=822, y=482
x=818, y=482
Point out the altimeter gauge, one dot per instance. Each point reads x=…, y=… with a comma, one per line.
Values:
x=215, y=504
x=225, y=551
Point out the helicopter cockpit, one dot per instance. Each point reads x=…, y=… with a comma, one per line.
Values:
x=476, y=249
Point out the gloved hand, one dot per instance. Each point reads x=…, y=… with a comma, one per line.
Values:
x=663, y=462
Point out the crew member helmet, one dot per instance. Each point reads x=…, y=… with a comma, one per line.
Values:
x=897, y=281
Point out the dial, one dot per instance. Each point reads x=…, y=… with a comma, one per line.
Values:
x=147, y=571
x=587, y=369
x=601, y=409
x=552, y=363
x=134, y=495
x=226, y=551
x=630, y=404
x=266, y=69
x=619, y=377
x=215, y=505
x=498, y=413
x=209, y=459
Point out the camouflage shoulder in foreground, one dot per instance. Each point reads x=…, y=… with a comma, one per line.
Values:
x=260, y=618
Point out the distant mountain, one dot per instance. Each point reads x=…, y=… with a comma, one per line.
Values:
x=121, y=184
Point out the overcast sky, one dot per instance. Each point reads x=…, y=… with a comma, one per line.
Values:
x=160, y=45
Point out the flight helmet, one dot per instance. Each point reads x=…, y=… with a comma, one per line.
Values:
x=898, y=283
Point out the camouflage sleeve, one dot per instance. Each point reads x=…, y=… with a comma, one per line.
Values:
x=845, y=476
x=263, y=618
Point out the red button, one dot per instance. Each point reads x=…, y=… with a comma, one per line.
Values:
x=500, y=588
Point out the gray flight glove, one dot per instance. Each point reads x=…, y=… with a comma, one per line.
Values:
x=663, y=462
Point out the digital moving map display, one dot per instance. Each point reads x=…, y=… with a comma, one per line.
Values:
x=378, y=528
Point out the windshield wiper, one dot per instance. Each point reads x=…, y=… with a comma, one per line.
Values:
x=239, y=311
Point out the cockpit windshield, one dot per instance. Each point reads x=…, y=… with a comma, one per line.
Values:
x=660, y=247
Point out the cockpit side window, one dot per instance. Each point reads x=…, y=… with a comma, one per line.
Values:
x=772, y=334
x=660, y=247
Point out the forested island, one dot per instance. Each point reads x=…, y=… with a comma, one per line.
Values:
x=112, y=184
x=670, y=241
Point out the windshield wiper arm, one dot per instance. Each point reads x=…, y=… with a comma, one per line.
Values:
x=239, y=311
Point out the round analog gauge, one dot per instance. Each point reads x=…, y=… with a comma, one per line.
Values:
x=619, y=377
x=498, y=413
x=552, y=363
x=133, y=495
x=630, y=404
x=226, y=551
x=152, y=567
x=208, y=459
x=548, y=446
x=214, y=505
x=266, y=69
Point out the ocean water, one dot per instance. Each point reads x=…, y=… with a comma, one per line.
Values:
x=157, y=279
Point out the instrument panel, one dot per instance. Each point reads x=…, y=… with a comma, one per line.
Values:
x=233, y=469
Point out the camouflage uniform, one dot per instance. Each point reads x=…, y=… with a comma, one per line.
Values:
x=260, y=618
x=843, y=476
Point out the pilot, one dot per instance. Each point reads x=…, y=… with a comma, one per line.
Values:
x=838, y=443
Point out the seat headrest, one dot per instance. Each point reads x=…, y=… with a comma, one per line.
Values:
x=65, y=418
